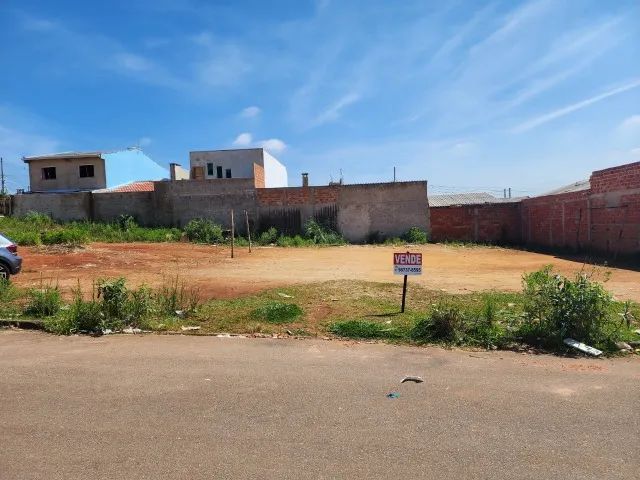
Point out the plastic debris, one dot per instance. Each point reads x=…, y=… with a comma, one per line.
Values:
x=624, y=346
x=582, y=347
x=188, y=329
x=284, y=295
x=393, y=395
x=131, y=330
x=107, y=331
x=412, y=378
x=180, y=313
x=223, y=335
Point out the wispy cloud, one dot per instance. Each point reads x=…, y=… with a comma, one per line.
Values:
x=333, y=111
x=243, y=140
x=273, y=145
x=250, y=112
x=561, y=112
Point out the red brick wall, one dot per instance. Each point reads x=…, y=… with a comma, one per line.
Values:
x=487, y=223
x=258, y=175
x=290, y=196
x=605, y=218
x=624, y=177
x=559, y=221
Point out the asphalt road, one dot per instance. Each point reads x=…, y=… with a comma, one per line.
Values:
x=169, y=407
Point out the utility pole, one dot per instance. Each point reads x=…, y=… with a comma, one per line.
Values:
x=3, y=189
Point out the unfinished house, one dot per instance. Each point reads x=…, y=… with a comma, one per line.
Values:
x=245, y=163
x=87, y=171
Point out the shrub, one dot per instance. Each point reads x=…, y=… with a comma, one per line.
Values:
x=203, y=231
x=38, y=219
x=277, y=312
x=296, y=241
x=415, y=235
x=445, y=322
x=174, y=296
x=27, y=237
x=60, y=325
x=44, y=301
x=557, y=307
x=321, y=235
x=115, y=298
x=126, y=222
x=67, y=236
x=140, y=305
x=363, y=329
x=8, y=292
x=268, y=237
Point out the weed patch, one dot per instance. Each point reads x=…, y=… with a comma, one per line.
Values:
x=277, y=312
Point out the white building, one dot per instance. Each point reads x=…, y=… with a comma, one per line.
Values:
x=255, y=163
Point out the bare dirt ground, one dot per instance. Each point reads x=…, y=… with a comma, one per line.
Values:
x=451, y=268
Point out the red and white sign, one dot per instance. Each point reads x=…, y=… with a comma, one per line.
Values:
x=407, y=263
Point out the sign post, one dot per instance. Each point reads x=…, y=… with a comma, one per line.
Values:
x=406, y=264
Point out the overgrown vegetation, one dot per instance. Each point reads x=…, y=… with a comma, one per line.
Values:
x=112, y=306
x=549, y=308
x=38, y=229
x=277, y=312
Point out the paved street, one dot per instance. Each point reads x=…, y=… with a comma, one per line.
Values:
x=177, y=407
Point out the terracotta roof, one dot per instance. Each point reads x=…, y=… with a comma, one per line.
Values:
x=144, y=186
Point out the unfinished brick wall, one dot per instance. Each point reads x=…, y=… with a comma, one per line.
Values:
x=556, y=221
x=603, y=219
x=486, y=223
x=289, y=196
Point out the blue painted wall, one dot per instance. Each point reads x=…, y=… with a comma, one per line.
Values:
x=131, y=165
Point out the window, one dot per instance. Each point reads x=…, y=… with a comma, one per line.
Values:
x=86, y=171
x=49, y=173
x=228, y=173
x=210, y=169
x=219, y=172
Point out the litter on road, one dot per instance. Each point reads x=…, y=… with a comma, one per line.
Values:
x=582, y=347
x=284, y=295
x=393, y=395
x=412, y=378
x=185, y=328
x=131, y=330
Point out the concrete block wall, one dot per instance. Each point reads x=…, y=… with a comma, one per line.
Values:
x=64, y=207
x=381, y=210
x=108, y=206
x=176, y=203
x=485, y=223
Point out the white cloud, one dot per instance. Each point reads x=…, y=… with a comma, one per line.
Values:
x=561, y=112
x=273, y=145
x=144, y=141
x=630, y=125
x=250, y=112
x=334, y=111
x=132, y=62
x=243, y=140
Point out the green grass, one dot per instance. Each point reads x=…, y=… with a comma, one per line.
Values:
x=277, y=312
x=349, y=309
x=38, y=229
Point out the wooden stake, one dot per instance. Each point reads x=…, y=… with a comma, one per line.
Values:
x=246, y=216
x=233, y=233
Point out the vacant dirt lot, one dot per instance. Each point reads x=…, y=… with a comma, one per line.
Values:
x=454, y=269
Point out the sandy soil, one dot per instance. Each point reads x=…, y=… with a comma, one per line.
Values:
x=454, y=269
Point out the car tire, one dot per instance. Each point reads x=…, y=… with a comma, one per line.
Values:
x=4, y=272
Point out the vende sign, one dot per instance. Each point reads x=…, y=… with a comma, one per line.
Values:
x=407, y=263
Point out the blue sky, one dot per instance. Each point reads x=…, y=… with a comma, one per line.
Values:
x=467, y=95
